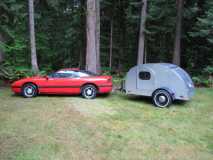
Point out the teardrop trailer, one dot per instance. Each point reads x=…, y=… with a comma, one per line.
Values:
x=163, y=82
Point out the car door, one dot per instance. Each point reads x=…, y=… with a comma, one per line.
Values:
x=61, y=83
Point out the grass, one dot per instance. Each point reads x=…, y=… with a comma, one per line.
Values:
x=116, y=127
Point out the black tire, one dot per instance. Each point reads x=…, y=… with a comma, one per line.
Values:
x=162, y=98
x=89, y=91
x=29, y=90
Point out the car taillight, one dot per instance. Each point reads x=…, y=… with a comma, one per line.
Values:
x=109, y=80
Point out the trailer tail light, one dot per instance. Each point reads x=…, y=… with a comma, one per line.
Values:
x=190, y=85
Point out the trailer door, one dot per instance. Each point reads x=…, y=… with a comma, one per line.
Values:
x=145, y=81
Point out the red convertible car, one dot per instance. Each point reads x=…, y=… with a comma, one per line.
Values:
x=65, y=82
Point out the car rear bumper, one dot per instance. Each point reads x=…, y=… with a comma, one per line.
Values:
x=105, y=89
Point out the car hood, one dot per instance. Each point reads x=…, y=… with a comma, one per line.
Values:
x=32, y=78
x=27, y=79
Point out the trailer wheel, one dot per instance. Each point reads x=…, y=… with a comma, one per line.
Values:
x=162, y=98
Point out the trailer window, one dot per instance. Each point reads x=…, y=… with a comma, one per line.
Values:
x=144, y=75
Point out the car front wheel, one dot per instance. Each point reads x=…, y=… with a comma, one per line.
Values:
x=29, y=90
x=162, y=99
x=89, y=92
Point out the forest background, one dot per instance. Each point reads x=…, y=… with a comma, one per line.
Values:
x=107, y=36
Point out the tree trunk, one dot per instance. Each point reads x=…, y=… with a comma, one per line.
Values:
x=122, y=31
x=141, y=44
x=98, y=30
x=177, y=46
x=111, y=44
x=145, y=55
x=92, y=57
x=32, y=37
x=83, y=37
x=1, y=50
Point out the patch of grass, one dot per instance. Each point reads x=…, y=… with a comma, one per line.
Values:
x=110, y=128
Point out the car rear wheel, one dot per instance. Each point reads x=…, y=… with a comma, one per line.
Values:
x=89, y=91
x=29, y=90
x=162, y=99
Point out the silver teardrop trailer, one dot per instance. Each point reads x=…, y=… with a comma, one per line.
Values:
x=162, y=81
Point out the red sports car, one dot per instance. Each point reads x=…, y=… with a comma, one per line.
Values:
x=65, y=82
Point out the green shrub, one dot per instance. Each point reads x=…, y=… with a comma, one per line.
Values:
x=12, y=73
x=208, y=70
x=205, y=79
x=202, y=81
x=197, y=80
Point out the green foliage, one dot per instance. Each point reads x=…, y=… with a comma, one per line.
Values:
x=200, y=81
x=106, y=71
x=12, y=73
x=209, y=70
x=205, y=79
x=61, y=34
x=197, y=80
x=203, y=26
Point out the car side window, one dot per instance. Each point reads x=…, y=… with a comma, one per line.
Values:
x=61, y=75
x=144, y=75
x=64, y=75
x=53, y=75
x=75, y=75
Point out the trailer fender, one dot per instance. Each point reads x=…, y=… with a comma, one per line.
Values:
x=171, y=92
